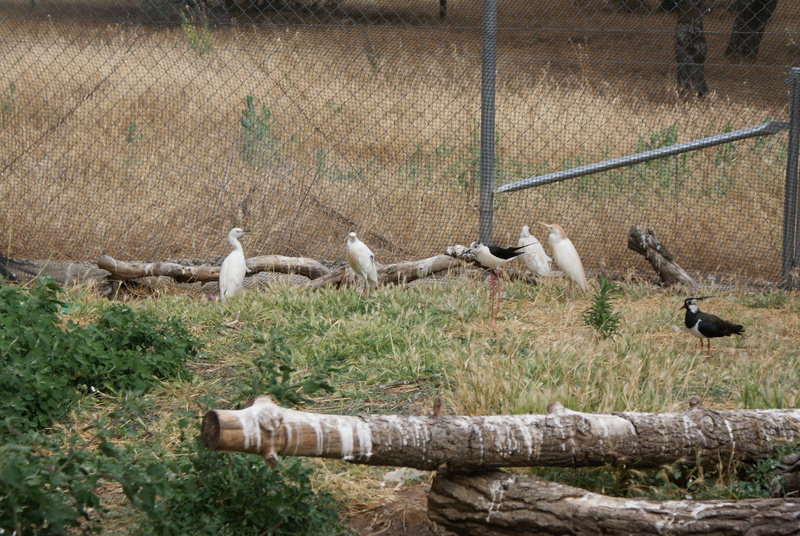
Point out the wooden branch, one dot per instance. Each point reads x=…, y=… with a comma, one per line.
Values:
x=401, y=272
x=657, y=255
x=496, y=503
x=194, y=274
x=561, y=438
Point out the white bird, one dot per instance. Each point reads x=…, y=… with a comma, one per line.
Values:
x=534, y=256
x=566, y=255
x=231, y=273
x=362, y=261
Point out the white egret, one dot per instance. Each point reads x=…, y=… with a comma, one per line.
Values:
x=233, y=269
x=492, y=258
x=534, y=257
x=566, y=256
x=362, y=261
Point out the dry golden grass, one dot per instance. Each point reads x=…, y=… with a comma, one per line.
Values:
x=394, y=114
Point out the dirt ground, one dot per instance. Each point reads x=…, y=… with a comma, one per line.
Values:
x=404, y=515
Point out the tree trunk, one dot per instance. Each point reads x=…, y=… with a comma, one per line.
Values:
x=199, y=274
x=401, y=272
x=320, y=276
x=496, y=503
x=657, y=255
x=749, y=25
x=562, y=438
x=690, y=49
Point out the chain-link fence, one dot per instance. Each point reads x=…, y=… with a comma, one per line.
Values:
x=147, y=129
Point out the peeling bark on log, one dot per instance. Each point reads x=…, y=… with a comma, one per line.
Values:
x=657, y=255
x=562, y=438
x=320, y=276
x=401, y=272
x=497, y=503
x=200, y=274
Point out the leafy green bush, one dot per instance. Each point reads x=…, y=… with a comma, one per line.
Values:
x=48, y=481
x=207, y=492
x=44, y=366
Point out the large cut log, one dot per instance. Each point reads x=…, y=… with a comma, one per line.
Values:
x=401, y=272
x=496, y=503
x=198, y=274
x=659, y=258
x=562, y=438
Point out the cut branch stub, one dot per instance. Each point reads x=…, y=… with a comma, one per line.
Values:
x=660, y=259
x=562, y=438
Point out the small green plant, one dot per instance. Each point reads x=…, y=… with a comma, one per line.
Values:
x=8, y=102
x=261, y=143
x=276, y=377
x=601, y=315
x=199, y=36
x=132, y=139
x=334, y=173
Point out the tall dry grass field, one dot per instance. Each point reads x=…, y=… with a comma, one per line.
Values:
x=126, y=138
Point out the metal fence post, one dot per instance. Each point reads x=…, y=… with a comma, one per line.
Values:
x=488, y=84
x=791, y=234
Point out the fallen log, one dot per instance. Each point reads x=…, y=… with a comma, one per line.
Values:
x=659, y=258
x=123, y=270
x=562, y=438
x=399, y=273
x=497, y=503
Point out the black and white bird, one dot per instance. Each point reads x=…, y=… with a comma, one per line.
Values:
x=492, y=258
x=706, y=326
x=234, y=268
x=362, y=261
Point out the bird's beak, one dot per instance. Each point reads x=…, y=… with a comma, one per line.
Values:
x=544, y=225
x=245, y=230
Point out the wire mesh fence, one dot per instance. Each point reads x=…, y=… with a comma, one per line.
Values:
x=147, y=129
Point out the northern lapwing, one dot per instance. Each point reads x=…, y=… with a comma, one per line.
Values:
x=362, y=261
x=706, y=326
x=492, y=258
x=566, y=256
x=234, y=268
x=534, y=257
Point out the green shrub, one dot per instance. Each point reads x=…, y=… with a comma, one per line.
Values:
x=45, y=367
x=207, y=492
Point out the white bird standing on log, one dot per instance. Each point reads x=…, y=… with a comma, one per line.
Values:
x=362, y=261
x=233, y=269
x=566, y=255
x=534, y=256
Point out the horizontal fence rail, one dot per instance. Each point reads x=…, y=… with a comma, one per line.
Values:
x=767, y=129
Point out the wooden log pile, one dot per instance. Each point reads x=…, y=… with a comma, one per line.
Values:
x=470, y=496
